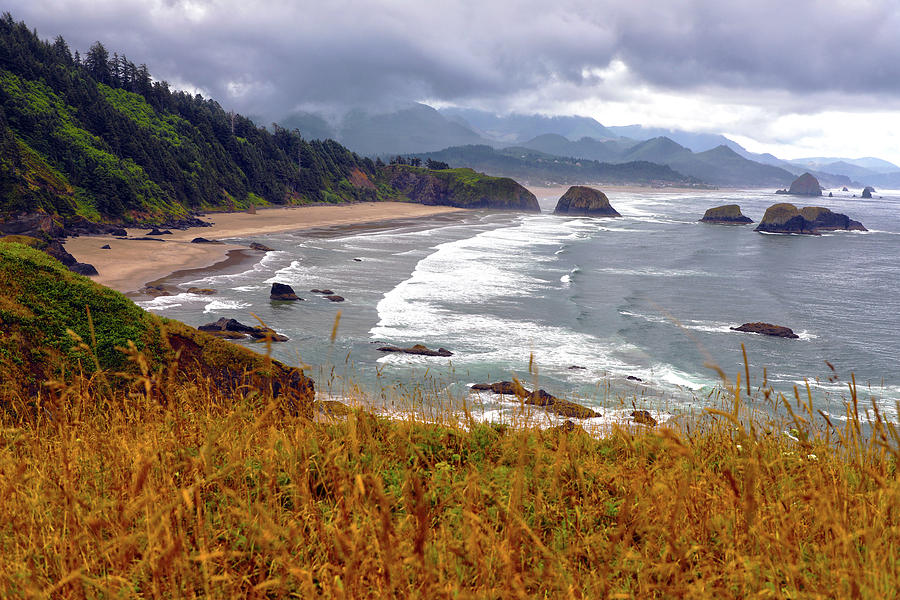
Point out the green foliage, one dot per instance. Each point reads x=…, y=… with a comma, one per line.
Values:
x=136, y=151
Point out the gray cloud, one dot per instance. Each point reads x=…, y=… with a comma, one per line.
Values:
x=268, y=58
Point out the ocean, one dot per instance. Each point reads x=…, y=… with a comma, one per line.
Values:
x=611, y=313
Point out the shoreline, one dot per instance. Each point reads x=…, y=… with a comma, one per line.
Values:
x=131, y=264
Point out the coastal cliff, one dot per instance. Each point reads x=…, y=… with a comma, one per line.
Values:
x=583, y=200
x=462, y=188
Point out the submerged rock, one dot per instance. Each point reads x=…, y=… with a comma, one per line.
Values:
x=155, y=291
x=282, y=291
x=767, y=329
x=787, y=218
x=260, y=247
x=583, y=200
x=805, y=185
x=326, y=292
x=728, y=214
x=418, y=349
x=201, y=291
x=334, y=298
x=540, y=398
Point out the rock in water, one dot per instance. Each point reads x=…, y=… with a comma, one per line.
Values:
x=582, y=200
x=787, y=218
x=643, y=417
x=418, y=349
x=281, y=291
x=540, y=398
x=260, y=247
x=805, y=185
x=729, y=214
x=767, y=329
x=867, y=191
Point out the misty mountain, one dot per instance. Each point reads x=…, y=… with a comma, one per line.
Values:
x=696, y=142
x=586, y=147
x=875, y=165
x=720, y=165
x=413, y=129
x=515, y=128
x=534, y=167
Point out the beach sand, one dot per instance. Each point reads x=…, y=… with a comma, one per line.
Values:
x=130, y=264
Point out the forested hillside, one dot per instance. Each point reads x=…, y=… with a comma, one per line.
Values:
x=98, y=137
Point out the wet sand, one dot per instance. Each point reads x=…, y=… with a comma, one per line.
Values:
x=130, y=264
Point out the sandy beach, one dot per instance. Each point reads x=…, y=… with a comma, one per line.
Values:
x=129, y=264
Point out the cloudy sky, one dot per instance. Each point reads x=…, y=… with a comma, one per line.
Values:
x=792, y=77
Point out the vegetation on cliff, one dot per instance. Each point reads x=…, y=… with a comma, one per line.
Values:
x=56, y=325
x=99, y=138
x=463, y=188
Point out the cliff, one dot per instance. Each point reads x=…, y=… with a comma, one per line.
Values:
x=787, y=218
x=582, y=200
x=463, y=188
x=729, y=214
x=54, y=323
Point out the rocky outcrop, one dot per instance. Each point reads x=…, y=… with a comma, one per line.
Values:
x=583, y=200
x=333, y=298
x=867, y=191
x=282, y=291
x=233, y=329
x=767, y=329
x=728, y=214
x=201, y=291
x=325, y=292
x=805, y=185
x=787, y=218
x=418, y=349
x=260, y=247
x=541, y=398
x=54, y=248
x=463, y=188
x=643, y=417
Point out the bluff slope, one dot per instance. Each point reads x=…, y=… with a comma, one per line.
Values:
x=41, y=301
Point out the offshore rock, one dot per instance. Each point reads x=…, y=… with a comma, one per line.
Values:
x=281, y=291
x=418, y=349
x=787, y=218
x=728, y=214
x=540, y=398
x=867, y=191
x=767, y=329
x=643, y=417
x=234, y=329
x=583, y=200
x=260, y=247
x=805, y=185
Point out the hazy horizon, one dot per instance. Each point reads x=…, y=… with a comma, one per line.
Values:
x=805, y=79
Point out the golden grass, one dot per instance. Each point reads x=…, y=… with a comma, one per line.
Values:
x=172, y=492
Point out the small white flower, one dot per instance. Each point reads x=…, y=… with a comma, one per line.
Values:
x=812, y=457
x=739, y=447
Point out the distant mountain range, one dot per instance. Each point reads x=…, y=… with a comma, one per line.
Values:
x=418, y=129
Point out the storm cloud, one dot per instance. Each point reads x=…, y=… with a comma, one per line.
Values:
x=269, y=58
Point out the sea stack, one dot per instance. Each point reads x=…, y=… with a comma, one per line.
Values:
x=787, y=218
x=582, y=200
x=728, y=214
x=805, y=185
x=282, y=291
x=867, y=191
